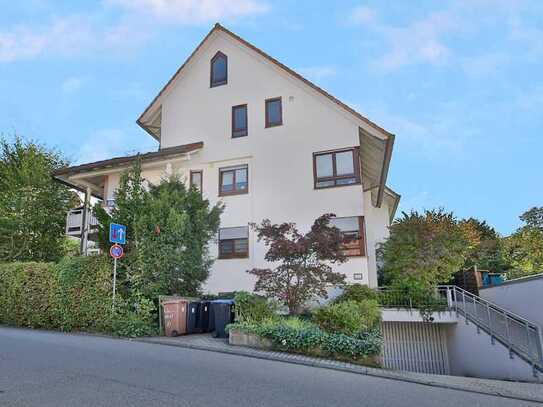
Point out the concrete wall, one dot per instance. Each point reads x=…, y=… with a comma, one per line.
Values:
x=523, y=296
x=280, y=159
x=472, y=354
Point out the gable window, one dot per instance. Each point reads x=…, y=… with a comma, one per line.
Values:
x=234, y=242
x=196, y=180
x=336, y=168
x=233, y=180
x=274, y=112
x=352, y=230
x=239, y=121
x=219, y=69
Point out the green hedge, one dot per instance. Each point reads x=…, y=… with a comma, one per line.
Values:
x=74, y=294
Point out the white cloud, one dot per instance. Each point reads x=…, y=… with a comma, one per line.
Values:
x=71, y=85
x=418, y=42
x=431, y=39
x=69, y=35
x=362, y=15
x=484, y=64
x=111, y=142
x=317, y=73
x=193, y=11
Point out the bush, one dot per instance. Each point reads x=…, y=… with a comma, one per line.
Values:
x=73, y=295
x=356, y=292
x=348, y=317
x=253, y=308
x=301, y=336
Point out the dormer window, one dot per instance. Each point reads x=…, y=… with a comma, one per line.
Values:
x=219, y=69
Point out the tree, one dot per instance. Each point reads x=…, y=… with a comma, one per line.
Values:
x=173, y=233
x=305, y=270
x=169, y=227
x=32, y=205
x=424, y=249
x=524, y=248
x=486, y=246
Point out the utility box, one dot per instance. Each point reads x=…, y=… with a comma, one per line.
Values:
x=175, y=317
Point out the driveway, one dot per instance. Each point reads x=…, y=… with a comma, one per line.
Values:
x=53, y=369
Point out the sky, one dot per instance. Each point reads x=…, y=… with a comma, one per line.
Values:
x=460, y=83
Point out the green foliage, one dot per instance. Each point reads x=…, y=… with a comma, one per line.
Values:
x=73, y=295
x=524, y=248
x=348, y=317
x=304, y=269
x=428, y=247
x=486, y=246
x=253, y=308
x=174, y=231
x=356, y=292
x=32, y=206
x=300, y=336
x=169, y=227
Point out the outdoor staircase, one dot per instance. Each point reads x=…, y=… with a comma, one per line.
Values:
x=521, y=337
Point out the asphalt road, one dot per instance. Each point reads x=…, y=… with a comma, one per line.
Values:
x=52, y=369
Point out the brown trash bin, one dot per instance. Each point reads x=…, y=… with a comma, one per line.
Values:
x=175, y=317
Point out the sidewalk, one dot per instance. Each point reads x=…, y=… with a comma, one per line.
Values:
x=514, y=390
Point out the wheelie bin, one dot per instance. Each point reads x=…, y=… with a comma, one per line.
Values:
x=223, y=314
x=175, y=317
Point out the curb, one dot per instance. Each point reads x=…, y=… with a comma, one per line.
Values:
x=343, y=367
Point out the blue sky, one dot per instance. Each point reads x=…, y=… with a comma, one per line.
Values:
x=459, y=82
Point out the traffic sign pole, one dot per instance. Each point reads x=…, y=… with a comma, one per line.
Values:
x=114, y=282
x=116, y=251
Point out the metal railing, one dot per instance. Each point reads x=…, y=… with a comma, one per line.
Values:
x=74, y=222
x=519, y=335
x=397, y=298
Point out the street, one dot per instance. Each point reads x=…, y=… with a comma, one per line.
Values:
x=53, y=369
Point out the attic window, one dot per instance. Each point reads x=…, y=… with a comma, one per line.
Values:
x=219, y=69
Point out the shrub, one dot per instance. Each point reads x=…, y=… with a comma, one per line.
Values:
x=348, y=317
x=253, y=308
x=73, y=295
x=301, y=336
x=356, y=292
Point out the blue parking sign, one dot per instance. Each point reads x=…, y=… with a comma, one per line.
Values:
x=117, y=233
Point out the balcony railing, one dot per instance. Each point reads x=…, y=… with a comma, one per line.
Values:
x=74, y=222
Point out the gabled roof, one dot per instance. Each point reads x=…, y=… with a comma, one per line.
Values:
x=220, y=28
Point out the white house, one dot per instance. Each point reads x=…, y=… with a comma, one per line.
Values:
x=267, y=142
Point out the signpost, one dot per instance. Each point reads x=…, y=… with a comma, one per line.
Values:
x=117, y=236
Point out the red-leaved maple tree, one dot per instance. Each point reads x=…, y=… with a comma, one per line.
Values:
x=305, y=261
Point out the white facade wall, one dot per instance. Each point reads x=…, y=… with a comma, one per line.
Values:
x=280, y=159
x=523, y=297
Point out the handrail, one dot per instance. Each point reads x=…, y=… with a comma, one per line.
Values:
x=518, y=334
x=483, y=300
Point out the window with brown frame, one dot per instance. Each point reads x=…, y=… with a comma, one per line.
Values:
x=234, y=180
x=239, y=121
x=274, y=112
x=219, y=70
x=353, y=230
x=196, y=179
x=336, y=168
x=234, y=243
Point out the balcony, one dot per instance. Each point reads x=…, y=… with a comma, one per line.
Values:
x=74, y=223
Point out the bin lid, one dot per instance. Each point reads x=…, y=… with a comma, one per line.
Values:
x=222, y=301
x=174, y=301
